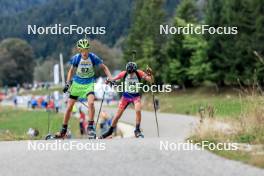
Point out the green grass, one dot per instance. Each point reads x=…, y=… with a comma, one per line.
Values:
x=18, y=121
x=226, y=105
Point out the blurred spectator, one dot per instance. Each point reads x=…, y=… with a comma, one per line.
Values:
x=51, y=104
x=2, y=96
x=47, y=85
x=28, y=103
x=44, y=104
x=15, y=101
x=34, y=103
x=18, y=88
x=57, y=106
x=6, y=90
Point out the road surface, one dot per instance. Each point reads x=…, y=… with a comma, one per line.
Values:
x=128, y=156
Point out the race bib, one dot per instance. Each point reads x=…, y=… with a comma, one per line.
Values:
x=132, y=84
x=85, y=69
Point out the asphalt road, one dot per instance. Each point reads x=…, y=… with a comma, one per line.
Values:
x=128, y=156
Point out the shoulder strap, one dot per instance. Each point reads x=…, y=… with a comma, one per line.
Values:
x=124, y=78
x=92, y=59
x=139, y=78
x=78, y=59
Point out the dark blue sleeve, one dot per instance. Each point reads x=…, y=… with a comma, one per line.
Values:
x=74, y=61
x=95, y=59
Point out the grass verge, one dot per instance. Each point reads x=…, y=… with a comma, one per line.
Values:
x=14, y=123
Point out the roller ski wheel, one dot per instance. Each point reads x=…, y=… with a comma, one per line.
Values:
x=56, y=136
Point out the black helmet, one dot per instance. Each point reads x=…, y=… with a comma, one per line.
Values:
x=131, y=67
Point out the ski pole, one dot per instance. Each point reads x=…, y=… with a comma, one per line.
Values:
x=154, y=103
x=111, y=83
x=83, y=104
x=155, y=110
x=99, y=110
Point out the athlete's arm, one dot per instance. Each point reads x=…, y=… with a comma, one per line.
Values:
x=68, y=81
x=119, y=76
x=70, y=74
x=106, y=71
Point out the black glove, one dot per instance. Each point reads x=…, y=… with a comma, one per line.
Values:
x=107, y=81
x=67, y=86
x=113, y=83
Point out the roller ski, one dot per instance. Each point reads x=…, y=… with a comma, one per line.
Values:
x=56, y=136
x=62, y=134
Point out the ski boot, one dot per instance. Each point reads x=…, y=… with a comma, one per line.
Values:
x=138, y=134
x=91, y=132
x=108, y=133
x=61, y=134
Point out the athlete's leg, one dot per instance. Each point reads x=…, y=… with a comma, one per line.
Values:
x=91, y=109
x=68, y=112
x=123, y=103
x=66, y=119
x=137, y=104
x=117, y=117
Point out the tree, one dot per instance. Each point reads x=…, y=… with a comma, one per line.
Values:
x=188, y=11
x=200, y=69
x=232, y=55
x=16, y=62
x=43, y=72
x=188, y=61
x=213, y=17
x=144, y=35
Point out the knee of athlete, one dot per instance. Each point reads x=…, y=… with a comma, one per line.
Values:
x=138, y=108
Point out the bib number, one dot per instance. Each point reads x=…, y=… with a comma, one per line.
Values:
x=85, y=71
